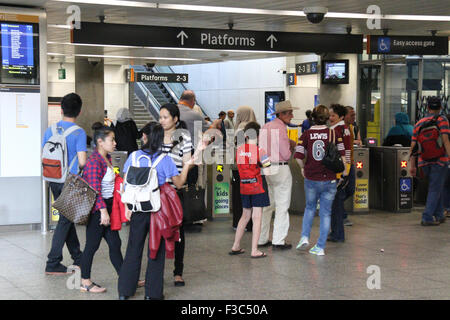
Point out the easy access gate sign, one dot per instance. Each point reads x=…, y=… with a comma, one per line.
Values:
x=174, y=37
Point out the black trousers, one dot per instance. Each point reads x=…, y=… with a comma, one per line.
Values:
x=94, y=234
x=131, y=266
x=65, y=233
x=179, y=254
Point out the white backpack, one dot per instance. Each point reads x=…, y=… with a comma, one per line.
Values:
x=55, y=167
x=141, y=186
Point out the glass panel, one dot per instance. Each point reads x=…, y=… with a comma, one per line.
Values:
x=396, y=98
x=369, y=102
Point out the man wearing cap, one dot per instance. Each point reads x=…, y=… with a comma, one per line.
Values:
x=280, y=181
x=433, y=167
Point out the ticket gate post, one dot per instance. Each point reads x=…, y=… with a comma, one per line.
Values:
x=360, y=200
x=391, y=185
x=218, y=190
x=118, y=159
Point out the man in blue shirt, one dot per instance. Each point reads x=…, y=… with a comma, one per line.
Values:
x=65, y=231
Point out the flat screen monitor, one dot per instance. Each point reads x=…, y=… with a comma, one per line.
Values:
x=271, y=100
x=335, y=71
x=19, y=54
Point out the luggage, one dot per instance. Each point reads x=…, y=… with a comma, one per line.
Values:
x=142, y=192
x=193, y=202
x=76, y=200
x=55, y=162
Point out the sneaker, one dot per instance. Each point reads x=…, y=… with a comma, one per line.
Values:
x=303, y=243
x=317, y=251
x=429, y=223
x=58, y=270
x=348, y=223
x=447, y=213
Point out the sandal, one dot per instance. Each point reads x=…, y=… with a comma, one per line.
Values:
x=262, y=255
x=88, y=288
x=233, y=253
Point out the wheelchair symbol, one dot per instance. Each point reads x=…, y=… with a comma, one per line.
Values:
x=384, y=44
x=405, y=186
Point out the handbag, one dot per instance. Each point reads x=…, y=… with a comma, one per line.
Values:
x=332, y=159
x=76, y=200
x=193, y=202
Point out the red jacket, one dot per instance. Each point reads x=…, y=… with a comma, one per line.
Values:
x=117, y=216
x=166, y=222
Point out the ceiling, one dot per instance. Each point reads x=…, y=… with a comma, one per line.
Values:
x=59, y=38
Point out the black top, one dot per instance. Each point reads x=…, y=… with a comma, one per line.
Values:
x=126, y=136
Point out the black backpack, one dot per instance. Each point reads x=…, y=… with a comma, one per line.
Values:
x=332, y=159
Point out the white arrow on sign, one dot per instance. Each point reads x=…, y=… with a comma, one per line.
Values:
x=182, y=35
x=271, y=39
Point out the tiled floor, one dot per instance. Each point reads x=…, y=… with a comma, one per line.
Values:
x=414, y=265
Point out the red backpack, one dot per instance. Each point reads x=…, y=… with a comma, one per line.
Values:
x=429, y=140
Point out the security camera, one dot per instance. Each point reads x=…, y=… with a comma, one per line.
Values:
x=149, y=66
x=94, y=61
x=281, y=71
x=315, y=14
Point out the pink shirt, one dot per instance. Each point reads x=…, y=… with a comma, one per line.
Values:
x=278, y=149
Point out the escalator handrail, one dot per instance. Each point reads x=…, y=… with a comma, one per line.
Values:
x=174, y=96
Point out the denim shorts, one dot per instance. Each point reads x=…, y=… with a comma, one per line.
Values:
x=256, y=200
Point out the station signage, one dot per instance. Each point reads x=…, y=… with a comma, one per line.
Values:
x=162, y=77
x=412, y=45
x=306, y=68
x=175, y=37
x=406, y=193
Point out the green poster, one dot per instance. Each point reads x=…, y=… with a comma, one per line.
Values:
x=222, y=198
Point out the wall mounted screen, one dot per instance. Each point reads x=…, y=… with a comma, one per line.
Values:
x=19, y=53
x=335, y=71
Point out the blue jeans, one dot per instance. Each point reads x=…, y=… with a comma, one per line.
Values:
x=446, y=194
x=350, y=187
x=434, y=205
x=315, y=190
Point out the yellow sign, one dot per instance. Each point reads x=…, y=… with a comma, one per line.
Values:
x=55, y=213
x=361, y=196
x=219, y=168
x=293, y=134
x=116, y=170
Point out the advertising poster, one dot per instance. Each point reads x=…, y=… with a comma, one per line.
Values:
x=361, y=197
x=222, y=198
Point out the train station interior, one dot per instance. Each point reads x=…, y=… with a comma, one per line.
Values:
x=382, y=59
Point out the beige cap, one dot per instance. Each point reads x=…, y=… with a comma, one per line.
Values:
x=284, y=106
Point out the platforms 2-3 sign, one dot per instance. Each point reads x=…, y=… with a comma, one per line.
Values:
x=162, y=77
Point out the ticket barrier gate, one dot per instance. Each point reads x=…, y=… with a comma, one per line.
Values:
x=359, y=203
x=298, y=201
x=391, y=185
x=118, y=159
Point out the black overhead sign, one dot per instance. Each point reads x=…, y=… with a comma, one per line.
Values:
x=413, y=45
x=161, y=77
x=306, y=68
x=174, y=37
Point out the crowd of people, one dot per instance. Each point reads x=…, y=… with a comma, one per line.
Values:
x=265, y=183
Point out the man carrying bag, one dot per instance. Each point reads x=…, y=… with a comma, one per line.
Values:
x=65, y=232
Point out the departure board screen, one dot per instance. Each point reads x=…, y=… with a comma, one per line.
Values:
x=19, y=53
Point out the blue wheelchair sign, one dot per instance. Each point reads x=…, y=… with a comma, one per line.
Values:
x=384, y=44
x=405, y=185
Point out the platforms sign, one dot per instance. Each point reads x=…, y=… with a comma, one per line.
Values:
x=162, y=77
x=175, y=37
